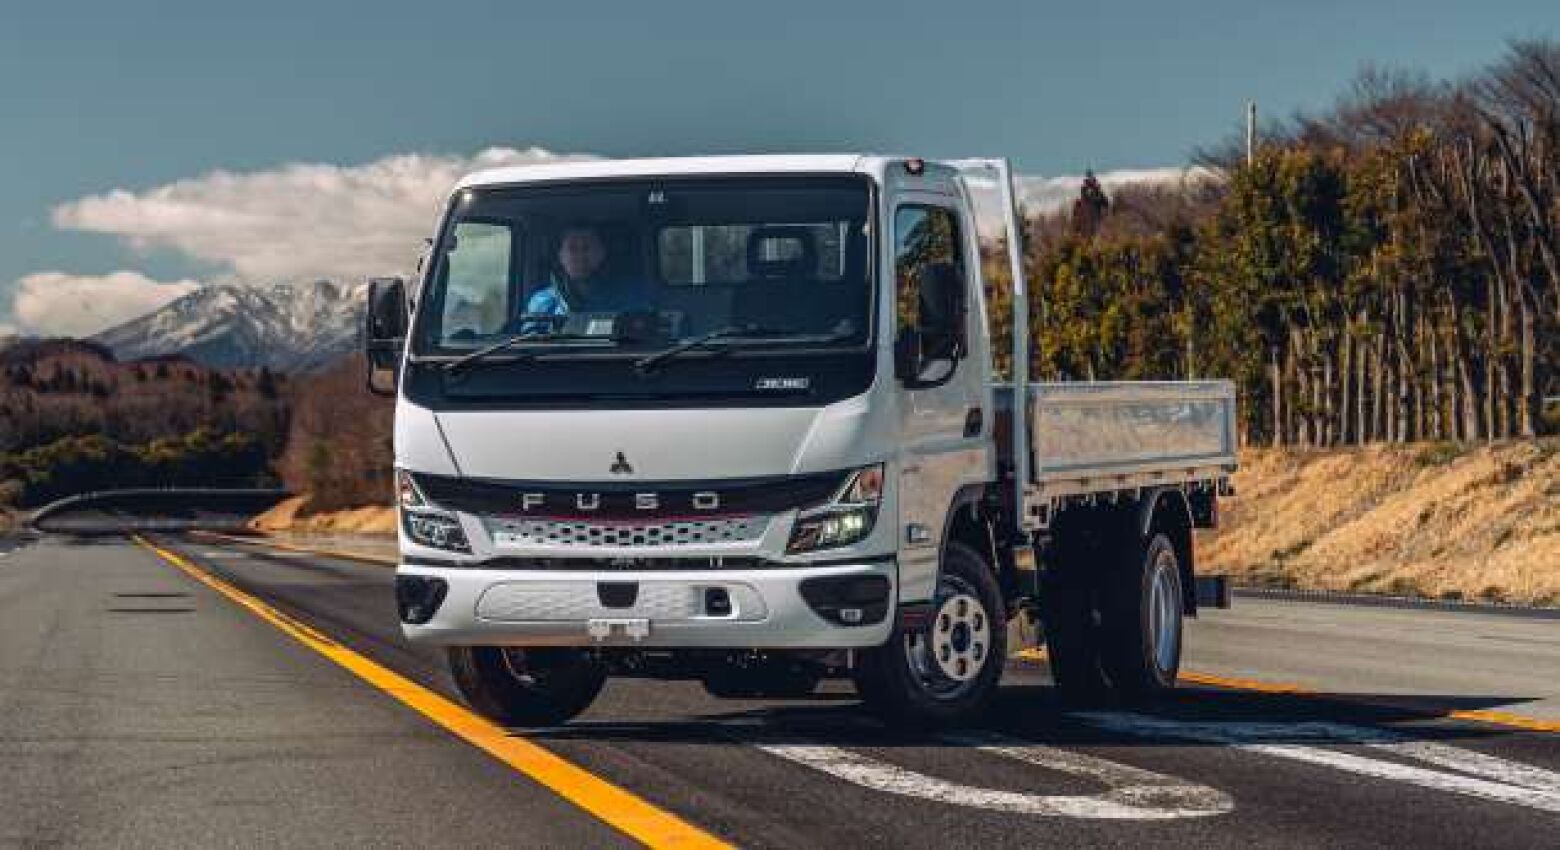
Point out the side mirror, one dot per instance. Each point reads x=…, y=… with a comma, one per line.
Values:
x=384, y=333
x=942, y=311
x=939, y=336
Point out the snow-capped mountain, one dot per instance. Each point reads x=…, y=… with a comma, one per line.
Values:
x=288, y=327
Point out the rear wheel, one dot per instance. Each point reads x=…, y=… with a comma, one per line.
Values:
x=948, y=669
x=526, y=687
x=1141, y=618
x=1072, y=637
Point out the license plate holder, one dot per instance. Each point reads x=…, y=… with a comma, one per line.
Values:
x=602, y=628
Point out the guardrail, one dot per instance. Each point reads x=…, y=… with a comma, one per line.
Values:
x=154, y=509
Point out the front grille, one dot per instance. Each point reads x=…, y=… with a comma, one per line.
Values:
x=572, y=533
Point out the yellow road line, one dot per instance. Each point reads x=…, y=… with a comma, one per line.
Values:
x=1503, y=718
x=615, y=806
x=1496, y=718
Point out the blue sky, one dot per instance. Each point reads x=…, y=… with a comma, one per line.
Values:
x=103, y=97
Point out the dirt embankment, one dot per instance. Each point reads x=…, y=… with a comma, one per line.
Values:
x=1443, y=521
x=294, y=517
x=1440, y=520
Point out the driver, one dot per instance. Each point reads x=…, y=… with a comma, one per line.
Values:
x=577, y=284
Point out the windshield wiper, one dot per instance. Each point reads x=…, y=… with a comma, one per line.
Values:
x=646, y=365
x=461, y=363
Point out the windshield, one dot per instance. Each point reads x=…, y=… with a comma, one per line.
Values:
x=634, y=267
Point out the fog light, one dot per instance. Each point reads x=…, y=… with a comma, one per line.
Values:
x=417, y=598
x=848, y=600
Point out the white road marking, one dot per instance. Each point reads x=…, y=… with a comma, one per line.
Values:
x=1479, y=764
x=1134, y=793
x=1514, y=782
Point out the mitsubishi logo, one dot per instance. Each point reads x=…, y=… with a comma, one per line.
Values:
x=621, y=466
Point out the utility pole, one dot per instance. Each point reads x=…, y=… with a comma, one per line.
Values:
x=1251, y=131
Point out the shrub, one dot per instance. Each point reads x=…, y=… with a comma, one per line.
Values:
x=1439, y=454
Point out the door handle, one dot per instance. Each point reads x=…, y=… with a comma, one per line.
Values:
x=973, y=421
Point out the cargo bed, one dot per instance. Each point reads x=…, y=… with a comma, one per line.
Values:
x=1100, y=437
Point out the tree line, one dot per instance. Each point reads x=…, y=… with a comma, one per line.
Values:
x=1386, y=271
x=88, y=462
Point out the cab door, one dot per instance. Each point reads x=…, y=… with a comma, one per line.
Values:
x=943, y=420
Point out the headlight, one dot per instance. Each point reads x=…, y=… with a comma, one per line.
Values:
x=847, y=518
x=424, y=523
x=436, y=529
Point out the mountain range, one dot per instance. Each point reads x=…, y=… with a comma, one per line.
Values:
x=285, y=327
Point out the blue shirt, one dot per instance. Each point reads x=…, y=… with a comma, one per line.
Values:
x=610, y=297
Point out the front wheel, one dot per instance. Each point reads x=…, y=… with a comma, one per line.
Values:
x=946, y=670
x=526, y=687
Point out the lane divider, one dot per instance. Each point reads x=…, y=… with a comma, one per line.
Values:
x=631, y=815
x=1494, y=718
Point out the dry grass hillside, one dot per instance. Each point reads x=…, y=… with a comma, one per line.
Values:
x=1438, y=520
x=294, y=515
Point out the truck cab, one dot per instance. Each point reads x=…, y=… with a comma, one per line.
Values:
x=734, y=419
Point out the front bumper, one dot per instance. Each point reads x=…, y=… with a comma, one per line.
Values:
x=564, y=608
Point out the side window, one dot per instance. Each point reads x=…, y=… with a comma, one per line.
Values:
x=924, y=236
x=478, y=285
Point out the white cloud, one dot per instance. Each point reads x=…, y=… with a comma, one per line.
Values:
x=60, y=304
x=296, y=222
x=302, y=222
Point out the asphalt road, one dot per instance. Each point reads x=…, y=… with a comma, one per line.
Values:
x=140, y=707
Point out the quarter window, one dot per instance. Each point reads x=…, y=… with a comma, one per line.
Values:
x=478, y=288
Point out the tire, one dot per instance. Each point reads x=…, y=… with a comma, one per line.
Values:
x=766, y=679
x=1141, y=618
x=1072, y=636
x=526, y=687
x=915, y=680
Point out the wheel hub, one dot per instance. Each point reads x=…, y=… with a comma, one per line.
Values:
x=961, y=636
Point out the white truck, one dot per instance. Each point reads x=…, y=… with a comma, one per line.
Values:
x=735, y=419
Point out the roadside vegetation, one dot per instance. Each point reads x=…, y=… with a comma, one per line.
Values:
x=74, y=419
x=72, y=465
x=1445, y=521
x=1386, y=271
